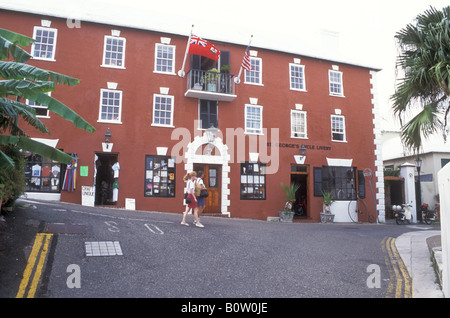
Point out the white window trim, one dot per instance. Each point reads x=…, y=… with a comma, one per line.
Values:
x=290, y=78
x=27, y=101
x=260, y=73
x=342, y=83
x=171, y=113
x=156, y=58
x=54, y=44
x=261, y=120
x=306, y=124
x=117, y=121
x=345, y=129
x=104, y=52
x=198, y=116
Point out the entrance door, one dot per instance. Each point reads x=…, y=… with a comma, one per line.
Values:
x=104, y=179
x=299, y=175
x=212, y=179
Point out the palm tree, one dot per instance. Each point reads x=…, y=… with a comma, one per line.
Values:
x=19, y=81
x=425, y=61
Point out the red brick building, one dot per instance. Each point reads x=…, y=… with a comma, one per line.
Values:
x=158, y=122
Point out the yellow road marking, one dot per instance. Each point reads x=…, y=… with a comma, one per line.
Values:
x=36, y=254
x=400, y=285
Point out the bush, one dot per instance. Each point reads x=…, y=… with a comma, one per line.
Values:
x=12, y=180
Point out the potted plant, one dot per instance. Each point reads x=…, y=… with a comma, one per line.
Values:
x=225, y=68
x=211, y=78
x=287, y=214
x=326, y=216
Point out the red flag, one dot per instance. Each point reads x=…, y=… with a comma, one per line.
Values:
x=246, y=62
x=198, y=46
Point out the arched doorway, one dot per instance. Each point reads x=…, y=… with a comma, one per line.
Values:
x=217, y=164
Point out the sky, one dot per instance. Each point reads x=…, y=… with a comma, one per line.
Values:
x=356, y=31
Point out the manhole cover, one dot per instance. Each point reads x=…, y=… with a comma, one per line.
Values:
x=63, y=228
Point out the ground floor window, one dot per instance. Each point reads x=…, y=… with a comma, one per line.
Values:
x=342, y=182
x=253, y=181
x=42, y=174
x=159, y=176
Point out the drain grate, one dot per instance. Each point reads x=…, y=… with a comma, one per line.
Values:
x=106, y=248
x=63, y=228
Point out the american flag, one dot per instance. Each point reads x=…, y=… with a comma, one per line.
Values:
x=246, y=61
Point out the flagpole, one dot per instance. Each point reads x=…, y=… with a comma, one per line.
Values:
x=181, y=72
x=237, y=79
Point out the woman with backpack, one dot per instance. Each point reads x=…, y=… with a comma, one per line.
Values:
x=190, y=191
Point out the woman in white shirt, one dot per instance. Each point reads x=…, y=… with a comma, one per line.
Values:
x=190, y=189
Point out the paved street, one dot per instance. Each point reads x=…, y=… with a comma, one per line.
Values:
x=149, y=254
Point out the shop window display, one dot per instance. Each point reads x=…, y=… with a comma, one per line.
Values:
x=159, y=176
x=42, y=174
x=253, y=181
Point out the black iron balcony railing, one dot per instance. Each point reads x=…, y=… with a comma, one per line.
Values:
x=210, y=85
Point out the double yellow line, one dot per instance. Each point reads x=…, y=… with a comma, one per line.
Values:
x=38, y=254
x=400, y=282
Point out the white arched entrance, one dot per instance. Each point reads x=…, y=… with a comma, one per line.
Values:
x=222, y=159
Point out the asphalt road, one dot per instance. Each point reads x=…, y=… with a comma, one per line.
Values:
x=159, y=258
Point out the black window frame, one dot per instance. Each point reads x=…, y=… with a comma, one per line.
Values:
x=50, y=183
x=158, y=166
x=342, y=182
x=248, y=174
x=206, y=110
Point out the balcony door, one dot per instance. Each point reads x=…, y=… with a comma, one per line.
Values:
x=199, y=62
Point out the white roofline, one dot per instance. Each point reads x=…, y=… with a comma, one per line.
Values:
x=95, y=18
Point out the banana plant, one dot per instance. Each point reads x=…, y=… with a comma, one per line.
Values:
x=20, y=81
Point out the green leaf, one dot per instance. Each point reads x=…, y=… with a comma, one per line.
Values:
x=20, y=71
x=34, y=146
x=16, y=38
x=5, y=161
x=425, y=61
x=9, y=48
x=11, y=110
x=36, y=91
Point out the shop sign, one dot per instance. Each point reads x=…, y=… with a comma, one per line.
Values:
x=87, y=196
x=297, y=146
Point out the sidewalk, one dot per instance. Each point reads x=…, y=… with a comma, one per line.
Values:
x=415, y=250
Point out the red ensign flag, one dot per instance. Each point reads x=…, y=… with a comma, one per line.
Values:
x=198, y=46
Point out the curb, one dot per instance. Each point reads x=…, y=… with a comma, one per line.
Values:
x=437, y=262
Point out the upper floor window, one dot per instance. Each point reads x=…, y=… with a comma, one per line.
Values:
x=337, y=128
x=253, y=119
x=41, y=110
x=297, y=77
x=114, y=52
x=336, y=84
x=162, y=110
x=110, y=106
x=298, y=124
x=45, y=43
x=165, y=58
x=208, y=114
x=254, y=76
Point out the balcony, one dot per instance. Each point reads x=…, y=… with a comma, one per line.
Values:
x=210, y=85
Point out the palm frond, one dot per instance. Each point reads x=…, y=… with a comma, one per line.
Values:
x=20, y=71
x=10, y=110
x=36, y=91
x=9, y=46
x=425, y=123
x=424, y=60
x=34, y=146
